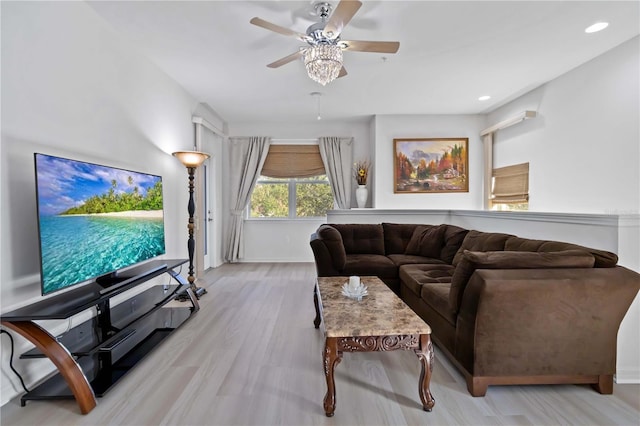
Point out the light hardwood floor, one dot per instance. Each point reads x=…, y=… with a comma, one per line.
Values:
x=251, y=356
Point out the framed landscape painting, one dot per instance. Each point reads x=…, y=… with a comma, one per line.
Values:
x=431, y=165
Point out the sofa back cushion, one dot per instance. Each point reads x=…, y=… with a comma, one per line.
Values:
x=470, y=261
x=603, y=259
x=453, y=238
x=361, y=238
x=333, y=241
x=481, y=241
x=426, y=241
x=397, y=236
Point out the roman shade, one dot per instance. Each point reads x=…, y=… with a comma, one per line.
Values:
x=511, y=184
x=293, y=161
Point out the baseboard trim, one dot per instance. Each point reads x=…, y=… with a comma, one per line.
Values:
x=263, y=260
x=627, y=377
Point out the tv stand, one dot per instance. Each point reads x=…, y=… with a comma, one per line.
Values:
x=94, y=355
x=116, y=280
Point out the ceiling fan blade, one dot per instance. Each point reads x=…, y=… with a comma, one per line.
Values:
x=341, y=17
x=277, y=28
x=343, y=72
x=286, y=60
x=370, y=46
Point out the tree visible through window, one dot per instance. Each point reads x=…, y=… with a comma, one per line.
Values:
x=291, y=198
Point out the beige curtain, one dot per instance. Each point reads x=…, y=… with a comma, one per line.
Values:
x=337, y=156
x=246, y=156
x=487, y=142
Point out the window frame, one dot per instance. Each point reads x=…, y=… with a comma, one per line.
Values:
x=292, y=183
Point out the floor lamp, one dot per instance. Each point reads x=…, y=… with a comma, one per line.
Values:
x=192, y=160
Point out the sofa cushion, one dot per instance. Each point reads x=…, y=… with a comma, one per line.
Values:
x=410, y=259
x=471, y=261
x=361, y=238
x=481, y=241
x=453, y=237
x=370, y=264
x=603, y=259
x=436, y=295
x=397, y=236
x=427, y=241
x=415, y=276
x=333, y=241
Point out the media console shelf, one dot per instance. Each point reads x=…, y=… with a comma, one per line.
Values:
x=93, y=356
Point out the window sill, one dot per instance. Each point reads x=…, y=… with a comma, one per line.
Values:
x=287, y=219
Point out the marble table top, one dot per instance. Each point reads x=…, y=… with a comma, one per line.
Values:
x=380, y=313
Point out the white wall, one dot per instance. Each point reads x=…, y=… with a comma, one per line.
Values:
x=389, y=127
x=71, y=87
x=583, y=148
x=284, y=240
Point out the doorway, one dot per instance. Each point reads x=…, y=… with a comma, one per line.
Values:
x=211, y=143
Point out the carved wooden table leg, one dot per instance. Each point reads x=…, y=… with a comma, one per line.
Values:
x=332, y=357
x=425, y=354
x=316, y=321
x=60, y=356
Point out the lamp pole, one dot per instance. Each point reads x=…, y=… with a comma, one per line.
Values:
x=191, y=242
x=192, y=159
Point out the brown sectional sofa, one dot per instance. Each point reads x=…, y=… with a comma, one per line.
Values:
x=504, y=309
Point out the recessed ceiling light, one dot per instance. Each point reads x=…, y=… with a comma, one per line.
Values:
x=484, y=98
x=598, y=26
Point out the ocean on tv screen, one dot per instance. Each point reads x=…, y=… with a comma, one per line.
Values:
x=95, y=219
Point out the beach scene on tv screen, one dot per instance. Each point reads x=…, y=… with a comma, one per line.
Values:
x=95, y=219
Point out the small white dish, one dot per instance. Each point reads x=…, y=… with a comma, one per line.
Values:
x=356, y=293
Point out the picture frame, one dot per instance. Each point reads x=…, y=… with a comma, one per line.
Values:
x=430, y=165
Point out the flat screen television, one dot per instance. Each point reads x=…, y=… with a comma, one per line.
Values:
x=94, y=220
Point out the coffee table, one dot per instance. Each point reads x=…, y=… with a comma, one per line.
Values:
x=379, y=322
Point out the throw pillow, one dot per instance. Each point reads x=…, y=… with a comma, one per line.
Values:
x=481, y=241
x=471, y=261
x=413, y=247
x=453, y=237
x=529, y=260
x=604, y=259
x=426, y=241
x=432, y=241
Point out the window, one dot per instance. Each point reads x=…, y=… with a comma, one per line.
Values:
x=510, y=188
x=293, y=184
x=291, y=198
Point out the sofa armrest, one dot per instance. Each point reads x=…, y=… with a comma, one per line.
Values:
x=328, y=251
x=543, y=321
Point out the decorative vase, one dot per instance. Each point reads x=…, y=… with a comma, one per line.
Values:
x=361, y=196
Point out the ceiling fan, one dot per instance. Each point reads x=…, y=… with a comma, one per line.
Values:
x=323, y=56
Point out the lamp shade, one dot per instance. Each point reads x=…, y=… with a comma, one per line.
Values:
x=191, y=158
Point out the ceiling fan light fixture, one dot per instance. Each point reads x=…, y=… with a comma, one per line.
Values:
x=323, y=62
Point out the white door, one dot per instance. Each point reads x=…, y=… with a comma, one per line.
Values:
x=207, y=215
x=212, y=215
